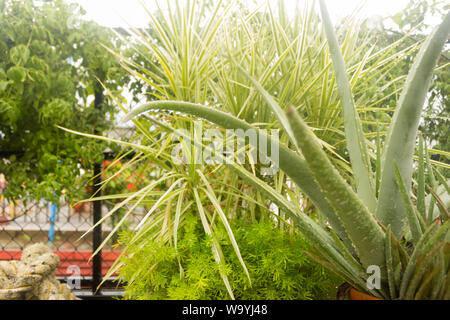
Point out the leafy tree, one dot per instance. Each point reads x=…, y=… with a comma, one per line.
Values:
x=51, y=61
x=413, y=24
x=435, y=127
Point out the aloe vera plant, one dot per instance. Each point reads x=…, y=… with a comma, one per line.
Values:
x=411, y=250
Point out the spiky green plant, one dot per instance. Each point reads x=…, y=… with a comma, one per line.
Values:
x=187, y=62
x=184, y=56
x=388, y=231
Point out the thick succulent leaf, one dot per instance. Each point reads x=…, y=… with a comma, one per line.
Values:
x=427, y=282
x=432, y=181
x=428, y=241
x=390, y=265
x=399, y=147
x=425, y=266
x=444, y=213
x=421, y=180
x=414, y=225
x=354, y=135
x=378, y=162
x=361, y=226
x=294, y=166
x=442, y=181
x=339, y=258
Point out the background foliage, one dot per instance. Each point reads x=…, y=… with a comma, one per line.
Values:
x=50, y=60
x=413, y=24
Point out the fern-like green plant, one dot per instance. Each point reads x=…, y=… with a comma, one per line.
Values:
x=411, y=250
x=277, y=262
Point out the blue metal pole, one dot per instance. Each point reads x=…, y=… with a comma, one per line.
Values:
x=51, y=231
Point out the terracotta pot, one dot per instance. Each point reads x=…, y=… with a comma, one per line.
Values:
x=354, y=294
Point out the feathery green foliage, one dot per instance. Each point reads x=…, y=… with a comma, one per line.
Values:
x=278, y=266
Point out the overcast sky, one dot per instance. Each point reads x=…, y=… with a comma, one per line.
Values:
x=111, y=13
x=115, y=13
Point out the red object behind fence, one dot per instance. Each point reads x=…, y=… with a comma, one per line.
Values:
x=70, y=258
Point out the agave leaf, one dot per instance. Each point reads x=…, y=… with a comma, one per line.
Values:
x=356, y=144
x=421, y=180
x=427, y=281
x=398, y=276
x=399, y=147
x=433, y=183
x=389, y=264
x=429, y=239
x=421, y=269
x=319, y=258
x=348, y=253
x=442, y=208
x=378, y=162
x=358, y=284
x=445, y=292
x=439, y=280
x=400, y=257
x=414, y=225
x=277, y=110
x=441, y=179
x=356, y=218
x=294, y=166
x=263, y=187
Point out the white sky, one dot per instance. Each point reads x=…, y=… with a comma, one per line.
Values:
x=115, y=13
x=111, y=13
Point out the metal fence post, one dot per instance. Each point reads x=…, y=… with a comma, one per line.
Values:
x=97, y=207
x=97, y=233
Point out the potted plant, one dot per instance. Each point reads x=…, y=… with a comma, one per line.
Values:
x=381, y=242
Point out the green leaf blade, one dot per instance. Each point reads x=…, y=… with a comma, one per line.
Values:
x=355, y=216
x=400, y=143
x=294, y=166
x=356, y=144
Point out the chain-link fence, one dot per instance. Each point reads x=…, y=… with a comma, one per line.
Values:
x=69, y=231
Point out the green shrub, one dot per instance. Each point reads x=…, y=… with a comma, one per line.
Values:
x=51, y=62
x=278, y=265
